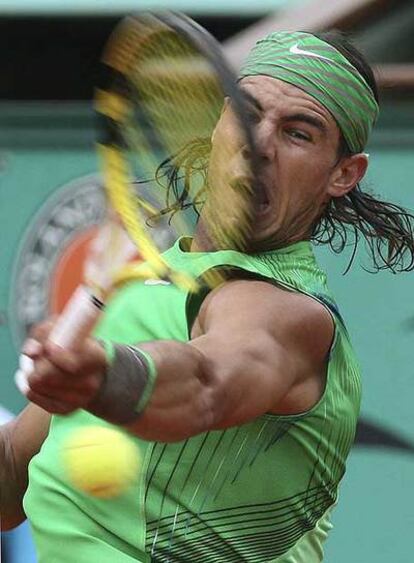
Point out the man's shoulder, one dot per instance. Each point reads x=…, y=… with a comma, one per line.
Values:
x=283, y=311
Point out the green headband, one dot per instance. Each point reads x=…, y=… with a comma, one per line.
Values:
x=303, y=60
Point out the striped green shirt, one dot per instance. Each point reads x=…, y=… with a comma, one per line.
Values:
x=261, y=492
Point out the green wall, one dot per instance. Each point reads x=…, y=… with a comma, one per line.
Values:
x=38, y=154
x=375, y=517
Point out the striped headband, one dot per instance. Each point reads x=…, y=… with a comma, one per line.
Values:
x=303, y=60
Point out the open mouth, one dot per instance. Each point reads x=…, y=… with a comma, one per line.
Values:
x=261, y=198
x=256, y=192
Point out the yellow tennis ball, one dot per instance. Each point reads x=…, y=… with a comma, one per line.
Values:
x=100, y=461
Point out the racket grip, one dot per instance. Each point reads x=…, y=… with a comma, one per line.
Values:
x=77, y=319
x=73, y=325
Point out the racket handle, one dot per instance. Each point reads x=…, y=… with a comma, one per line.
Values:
x=77, y=319
x=73, y=325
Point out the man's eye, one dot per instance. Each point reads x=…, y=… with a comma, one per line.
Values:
x=296, y=134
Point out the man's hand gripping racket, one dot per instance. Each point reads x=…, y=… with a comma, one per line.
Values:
x=109, y=251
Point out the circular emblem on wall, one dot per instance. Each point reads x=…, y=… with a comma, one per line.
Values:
x=49, y=261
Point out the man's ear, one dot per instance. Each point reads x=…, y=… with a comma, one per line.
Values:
x=347, y=174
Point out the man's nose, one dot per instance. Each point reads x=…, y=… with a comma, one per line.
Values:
x=264, y=143
x=265, y=140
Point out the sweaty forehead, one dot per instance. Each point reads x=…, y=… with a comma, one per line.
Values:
x=271, y=93
x=322, y=71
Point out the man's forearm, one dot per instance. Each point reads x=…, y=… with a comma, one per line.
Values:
x=126, y=385
x=183, y=399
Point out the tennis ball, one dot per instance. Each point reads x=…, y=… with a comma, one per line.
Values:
x=100, y=461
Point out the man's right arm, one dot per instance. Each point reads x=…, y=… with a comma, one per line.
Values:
x=20, y=440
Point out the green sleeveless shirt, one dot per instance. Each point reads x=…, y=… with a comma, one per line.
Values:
x=261, y=492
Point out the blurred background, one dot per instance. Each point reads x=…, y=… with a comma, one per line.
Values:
x=48, y=61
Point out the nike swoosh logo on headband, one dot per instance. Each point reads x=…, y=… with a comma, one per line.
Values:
x=297, y=51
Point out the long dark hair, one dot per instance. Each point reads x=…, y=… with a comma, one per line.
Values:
x=387, y=228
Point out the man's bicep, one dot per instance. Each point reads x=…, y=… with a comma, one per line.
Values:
x=249, y=376
x=259, y=312
x=268, y=345
x=253, y=367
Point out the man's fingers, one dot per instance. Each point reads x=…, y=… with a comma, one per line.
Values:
x=90, y=358
x=32, y=348
x=41, y=331
x=54, y=390
x=60, y=383
x=57, y=379
x=65, y=360
x=54, y=406
x=33, y=345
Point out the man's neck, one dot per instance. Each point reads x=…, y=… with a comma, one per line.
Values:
x=201, y=241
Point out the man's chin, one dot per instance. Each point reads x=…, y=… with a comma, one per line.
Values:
x=270, y=238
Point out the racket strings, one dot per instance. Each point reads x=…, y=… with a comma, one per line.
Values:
x=172, y=76
x=166, y=105
x=175, y=93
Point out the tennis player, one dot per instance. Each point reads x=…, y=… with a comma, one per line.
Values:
x=243, y=400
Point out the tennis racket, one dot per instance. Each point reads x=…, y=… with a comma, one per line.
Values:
x=173, y=135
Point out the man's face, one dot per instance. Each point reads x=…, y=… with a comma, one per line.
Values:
x=297, y=141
